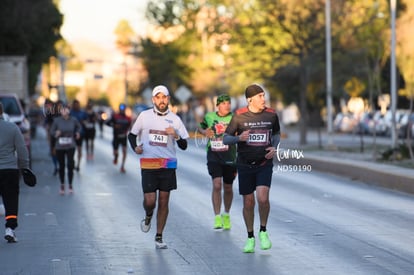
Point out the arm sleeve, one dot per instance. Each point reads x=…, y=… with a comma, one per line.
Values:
x=132, y=140
x=21, y=149
x=276, y=131
x=275, y=140
x=228, y=139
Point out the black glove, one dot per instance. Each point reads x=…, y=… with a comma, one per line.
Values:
x=28, y=177
x=182, y=143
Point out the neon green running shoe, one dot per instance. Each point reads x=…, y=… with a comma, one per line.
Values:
x=226, y=221
x=249, y=246
x=265, y=243
x=218, y=223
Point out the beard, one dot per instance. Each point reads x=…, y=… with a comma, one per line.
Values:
x=161, y=108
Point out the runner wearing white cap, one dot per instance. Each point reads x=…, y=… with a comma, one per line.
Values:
x=158, y=130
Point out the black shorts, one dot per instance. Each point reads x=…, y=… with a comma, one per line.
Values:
x=163, y=179
x=90, y=134
x=218, y=170
x=117, y=141
x=250, y=177
x=79, y=141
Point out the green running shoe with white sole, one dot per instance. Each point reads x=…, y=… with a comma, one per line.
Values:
x=218, y=222
x=226, y=221
x=265, y=243
x=249, y=246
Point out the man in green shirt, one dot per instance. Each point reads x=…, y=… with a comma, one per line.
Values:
x=220, y=158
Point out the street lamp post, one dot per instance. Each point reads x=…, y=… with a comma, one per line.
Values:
x=393, y=5
x=126, y=80
x=61, y=89
x=328, y=70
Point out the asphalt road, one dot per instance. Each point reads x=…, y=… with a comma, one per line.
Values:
x=319, y=224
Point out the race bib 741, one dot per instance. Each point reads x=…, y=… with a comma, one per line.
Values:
x=158, y=138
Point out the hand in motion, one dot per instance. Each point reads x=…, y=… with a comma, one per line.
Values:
x=171, y=131
x=244, y=136
x=271, y=152
x=139, y=149
x=209, y=133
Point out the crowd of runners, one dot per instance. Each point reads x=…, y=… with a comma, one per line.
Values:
x=242, y=143
x=71, y=132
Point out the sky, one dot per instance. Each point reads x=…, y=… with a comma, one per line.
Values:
x=96, y=20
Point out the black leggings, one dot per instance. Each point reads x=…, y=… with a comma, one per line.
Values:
x=9, y=190
x=62, y=156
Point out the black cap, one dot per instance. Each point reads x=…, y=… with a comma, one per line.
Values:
x=253, y=90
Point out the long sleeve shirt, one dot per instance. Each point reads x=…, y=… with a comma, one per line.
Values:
x=68, y=129
x=12, y=142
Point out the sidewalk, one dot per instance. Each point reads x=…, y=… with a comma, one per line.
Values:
x=346, y=160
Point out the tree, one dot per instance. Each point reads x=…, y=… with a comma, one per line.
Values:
x=30, y=28
x=291, y=33
x=405, y=60
x=276, y=34
x=165, y=51
x=405, y=50
x=125, y=36
x=281, y=44
x=208, y=30
x=164, y=64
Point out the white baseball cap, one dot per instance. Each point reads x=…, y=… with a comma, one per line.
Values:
x=160, y=89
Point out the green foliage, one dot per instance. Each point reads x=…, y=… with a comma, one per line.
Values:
x=164, y=63
x=165, y=13
x=124, y=36
x=64, y=48
x=170, y=61
x=279, y=43
x=354, y=87
x=103, y=100
x=75, y=65
x=255, y=44
x=399, y=153
x=71, y=92
x=29, y=28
